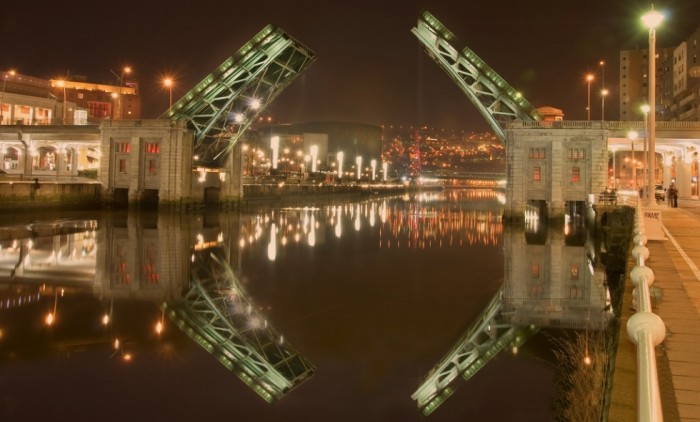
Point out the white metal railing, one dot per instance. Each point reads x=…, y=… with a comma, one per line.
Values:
x=645, y=328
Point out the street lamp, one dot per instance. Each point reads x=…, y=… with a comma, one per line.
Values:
x=275, y=146
x=313, y=150
x=127, y=70
x=645, y=110
x=632, y=135
x=589, y=79
x=652, y=20
x=2, y=95
x=62, y=84
x=339, y=158
x=168, y=82
x=603, y=94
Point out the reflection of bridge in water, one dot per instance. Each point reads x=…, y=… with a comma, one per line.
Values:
x=137, y=260
x=218, y=315
x=551, y=281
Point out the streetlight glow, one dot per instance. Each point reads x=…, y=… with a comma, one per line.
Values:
x=604, y=93
x=168, y=83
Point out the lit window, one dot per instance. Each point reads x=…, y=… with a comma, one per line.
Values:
x=123, y=147
x=152, y=166
x=575, y=174
x=536, y=174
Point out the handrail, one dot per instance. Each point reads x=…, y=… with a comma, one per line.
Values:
x=645, y=329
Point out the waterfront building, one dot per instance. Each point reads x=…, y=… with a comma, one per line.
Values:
x=30, y=100
x=677, y=81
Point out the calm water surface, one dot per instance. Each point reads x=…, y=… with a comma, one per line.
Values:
x=355, y=302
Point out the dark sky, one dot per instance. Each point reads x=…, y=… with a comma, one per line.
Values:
x=370, y=68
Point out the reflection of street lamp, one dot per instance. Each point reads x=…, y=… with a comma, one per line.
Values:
x=589, y=79
x=168, y=82
x=603, y=94
x=652, y=20
x=2, y=96
x=632, y=135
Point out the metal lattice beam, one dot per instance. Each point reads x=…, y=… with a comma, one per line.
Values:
x=484, y=339
x=218, y=315
x=223, y=105
x=497, y=101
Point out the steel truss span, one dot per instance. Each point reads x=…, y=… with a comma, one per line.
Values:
x=223, y=105
x=497, y=101
x=217, y=314
x=484, y=339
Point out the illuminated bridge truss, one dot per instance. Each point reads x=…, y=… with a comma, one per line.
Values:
x=223, y=105
x=497, y=101
x=216, y=313
x=484, y=339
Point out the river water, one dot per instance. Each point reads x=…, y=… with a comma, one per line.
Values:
x=360, y=310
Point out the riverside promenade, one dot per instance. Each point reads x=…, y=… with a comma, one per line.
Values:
x=676, y=299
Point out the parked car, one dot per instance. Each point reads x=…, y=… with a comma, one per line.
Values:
x=659, y=192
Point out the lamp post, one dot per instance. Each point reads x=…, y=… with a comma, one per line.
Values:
x=61, y=83
x=313, y=150
x=604, y=93
x=127, y=70
x=652, y=20
x=2, y=95
x=168, y=83
x=602, y=73
x=339, y=158
x=632, y=135
x=645, y=110
x=589, y=79
x=275, y=146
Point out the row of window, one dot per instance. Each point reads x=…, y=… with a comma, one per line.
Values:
x=575, y=174
x=150, y=147
x=151, y=166
x=541, y=153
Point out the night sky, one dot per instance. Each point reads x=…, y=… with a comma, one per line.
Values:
x=370, y=68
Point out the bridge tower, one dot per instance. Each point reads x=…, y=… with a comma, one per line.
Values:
x=547, y=167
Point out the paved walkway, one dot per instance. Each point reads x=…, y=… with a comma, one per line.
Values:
x=676, y=299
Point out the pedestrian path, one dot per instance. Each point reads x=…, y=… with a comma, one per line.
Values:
x=676, y=299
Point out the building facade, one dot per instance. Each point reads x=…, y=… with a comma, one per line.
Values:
x=677, y=81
